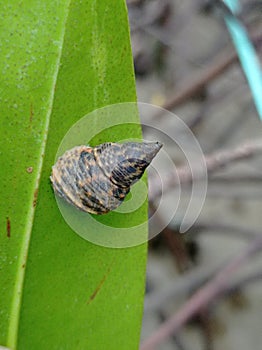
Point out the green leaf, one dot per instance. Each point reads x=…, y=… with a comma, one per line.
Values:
x=59, y=61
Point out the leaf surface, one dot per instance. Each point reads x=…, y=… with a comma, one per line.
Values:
x=60, y=61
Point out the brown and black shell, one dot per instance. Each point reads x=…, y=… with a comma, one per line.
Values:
x=96, y=180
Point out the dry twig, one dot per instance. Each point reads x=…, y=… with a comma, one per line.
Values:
x=214, y=162
x=194, y=85
x=203, y=297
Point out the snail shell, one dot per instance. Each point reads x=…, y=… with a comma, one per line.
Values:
x=96, y=180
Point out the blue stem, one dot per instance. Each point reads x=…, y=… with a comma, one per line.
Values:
x=246, y=53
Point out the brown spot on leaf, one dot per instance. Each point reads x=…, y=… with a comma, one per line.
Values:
x=29, y=169
x=35, y=197
x=100, y=284
x=93, y=295
x=8, y=227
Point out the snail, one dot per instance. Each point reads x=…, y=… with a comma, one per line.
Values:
x=96, y=180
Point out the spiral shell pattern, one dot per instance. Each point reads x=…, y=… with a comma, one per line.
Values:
x=96, y=180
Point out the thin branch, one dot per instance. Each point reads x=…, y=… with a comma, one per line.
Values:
x=213, y=162
x=182, y=285
x=239, y=231
x=193, y=85
x=236, y=178
x=187, y=283
x=191, y=280
x=213, y=102
x=244, y=281
x=233, y=192
x=203, y=297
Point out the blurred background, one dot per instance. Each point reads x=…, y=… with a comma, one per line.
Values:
x=185, y=62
